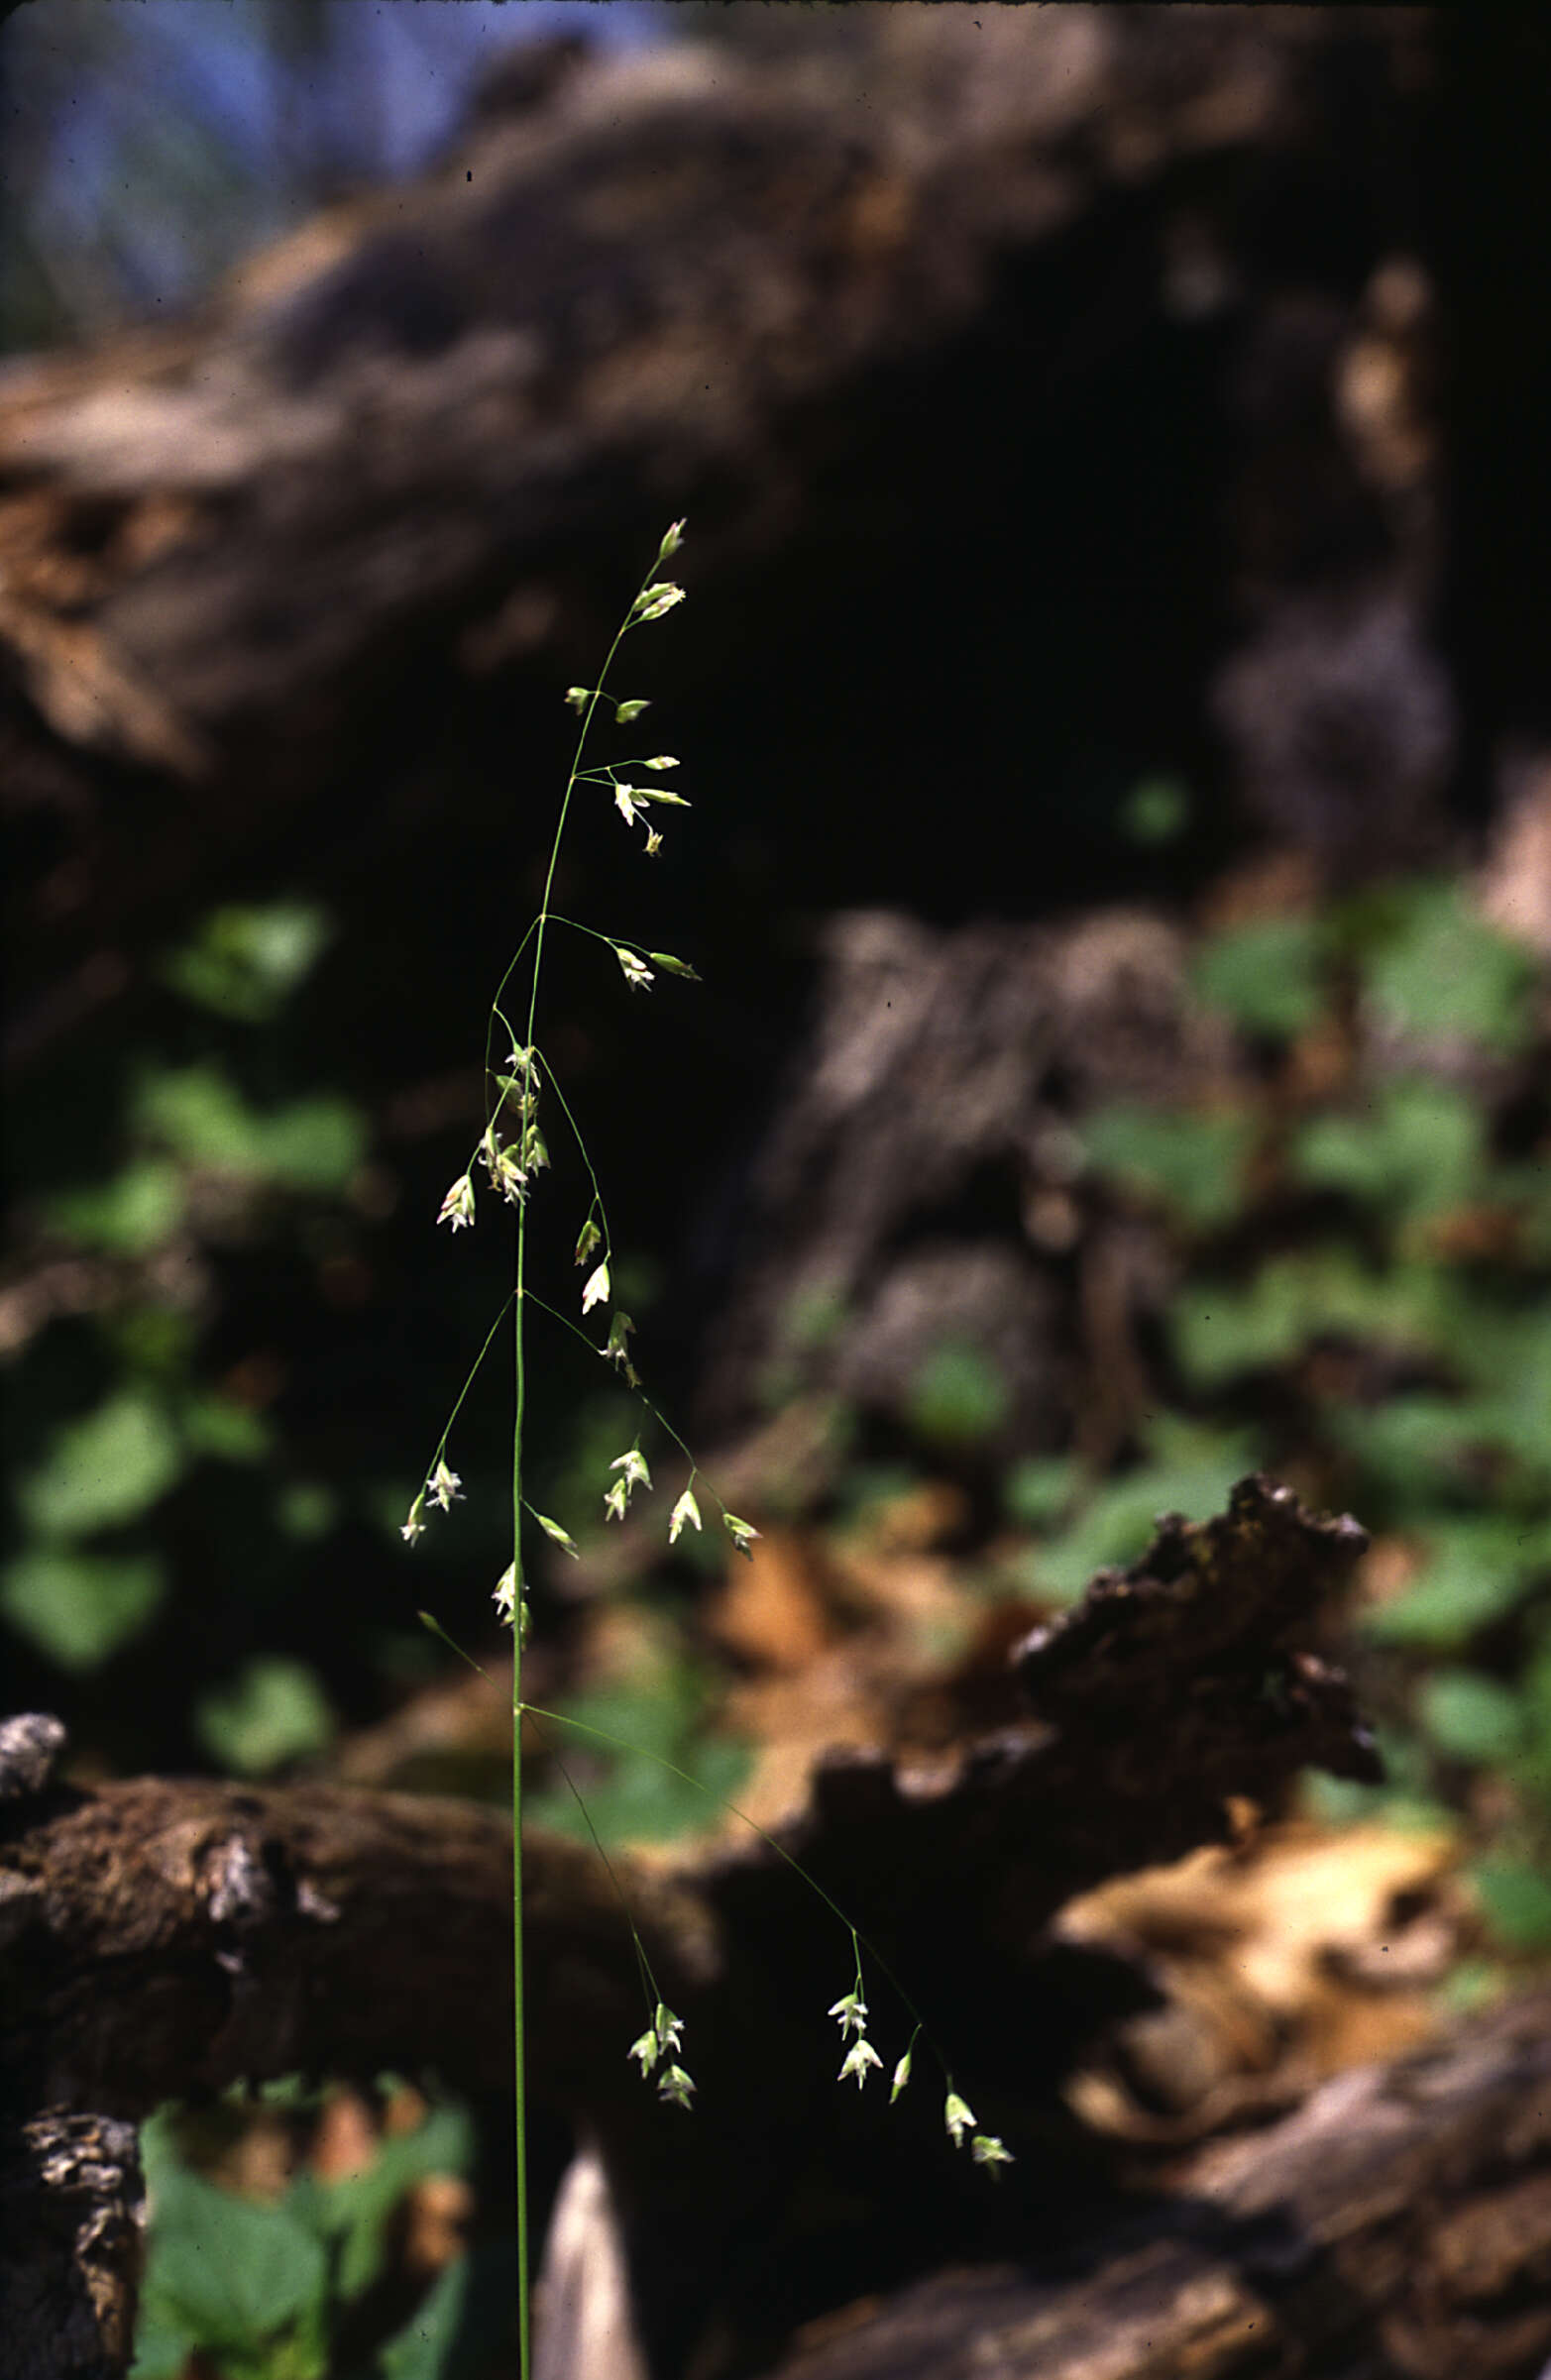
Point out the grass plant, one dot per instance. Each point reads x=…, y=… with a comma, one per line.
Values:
x=511, y=1153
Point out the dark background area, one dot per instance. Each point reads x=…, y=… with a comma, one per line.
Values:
x=997, y=592
x=1121, y=532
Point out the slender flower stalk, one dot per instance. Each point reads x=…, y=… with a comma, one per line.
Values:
x=512, y=1152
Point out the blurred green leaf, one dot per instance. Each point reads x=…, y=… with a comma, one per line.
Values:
x=355, y=2212
x=102, y=1471
x=256, y=2288
x=1532, y=1768
x=1471, y=1717
x=1190, y=1470
x=1219, y=1330
x=1037, y=1490
x=307, y=1509
x=422, y=2350
x=1517, y=1900
x=1156, y=812
x=315, y=1144
x=1267, y=977
x=957, y=1395
x=275, y=1711
x=632, y=1797
x=1439, y=971
x=1515, y=1403
x=196, y=1111
x=157, y=1342
x=135, y=1211
x=163, y=2344
x=232, y=1433
x=1417, y=1150
x=245, y=963
x=1416, y=1451
x=246, y=2284
x=1403, y=1797
x=813, y=1316
x=79, y=1608
x=1475, y=1572
x=1192, y=1163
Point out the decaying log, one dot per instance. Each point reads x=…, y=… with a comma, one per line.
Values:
x=1398, y=2225
x=72, y=2210
x=257, y=562
x=168, y=1938
x=921, y=1182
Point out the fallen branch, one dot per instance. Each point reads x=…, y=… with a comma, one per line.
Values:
x=1399, y=2223
x=169, y=1938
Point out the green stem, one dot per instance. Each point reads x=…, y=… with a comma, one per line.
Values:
x=640, y=1395
x=519, y=2087
x=520, y=1596
x=859, y=1938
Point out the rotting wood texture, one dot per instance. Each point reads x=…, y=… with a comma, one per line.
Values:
x=171, y=1937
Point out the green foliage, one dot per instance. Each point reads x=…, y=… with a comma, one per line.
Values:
x=1191, y=1163
x=422, y=2348
x=1516, y=1898
x=1434, y=970
x=1478, y=1570
x=1419, y=1449
x=1221, y=1331
x=128, y=1214
x=213, y=1425
x=1471, y=1717
x=1391, y=1333
x=1039, y=1491
x=662, y=1776
x=104, y=1469
x=79, y=1608
x=123, y=1434
x=1156, y=813
x=814, y=1317
x=197, y=1112
x=101, y=1473
x=957, y=1395
x=245, y=963
x=258, y=2290
x=1184, y=1468
x=1267, y=977
x=1415, y=1150
x=274, y=1711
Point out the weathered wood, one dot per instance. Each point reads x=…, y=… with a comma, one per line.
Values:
x=165, y=1937
x=1398, y=2225
x=71, y=2209
x=921, y=1183
x=258, y=562
x=168, y=1938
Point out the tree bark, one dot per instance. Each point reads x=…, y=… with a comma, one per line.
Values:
x=168, y=1938
x=1398, y=2225
x=251, y=561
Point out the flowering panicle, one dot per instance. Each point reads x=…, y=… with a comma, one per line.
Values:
x=685, y=1509
x=985, y=2148
x=458, y=1206
x=511, y=1604
x=664, y=2034
x=851, y=2015
x=633, y=967
x=511, y=1151
x=443, y=1488
x=631, y=1466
